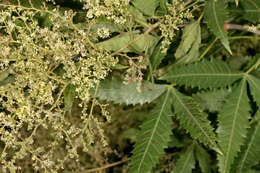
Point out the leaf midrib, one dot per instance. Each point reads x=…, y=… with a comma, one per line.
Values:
x=194, y=119
x=153, y=131
x=233, y=126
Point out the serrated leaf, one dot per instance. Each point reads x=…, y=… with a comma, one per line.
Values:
x=192, y=119
x=232, y=127
x=254, y=84
x=147, y=7
x=153, y=137
x=118, y=42
x=186, y=162
x=114, y=90
x=252, y=10
x=204, y=74
x=188, y=49
x=216, y=15
x=251, y=151
x=212, y=100
x=203, y=158
x=157, y=57
x=69, y=96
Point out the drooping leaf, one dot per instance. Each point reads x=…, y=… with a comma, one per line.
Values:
x=203, y=158
x=9, y=79
x=153, y=137
x=186, y=162
x=212, y=100
x=192, y=119
x=232, y=127
x=156, y=57
x=188, y=49
x=123, y=40
x=115, y=90
x=69, y=96
x=254, y=84
x=216, y=15
x=252, y=10
x=204, y=74
x=251, y=151
x=4, y=75
x=147, y=7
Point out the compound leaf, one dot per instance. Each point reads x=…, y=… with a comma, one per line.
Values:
x=232, y=127
x=153, y=137
x=204, y=74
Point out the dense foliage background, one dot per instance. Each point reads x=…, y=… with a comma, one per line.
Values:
x=130, y=86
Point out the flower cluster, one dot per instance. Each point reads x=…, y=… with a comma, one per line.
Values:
x=47, y=59
x=37, y=63
x=176, y=16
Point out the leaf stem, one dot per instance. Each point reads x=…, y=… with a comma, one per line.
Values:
x=208, y=48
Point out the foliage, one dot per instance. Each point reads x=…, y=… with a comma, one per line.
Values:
x=164, y=84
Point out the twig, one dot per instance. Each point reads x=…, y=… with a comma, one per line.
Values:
x=107, y=166
x=228, y=26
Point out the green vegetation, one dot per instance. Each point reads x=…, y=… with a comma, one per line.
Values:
x=130, y=86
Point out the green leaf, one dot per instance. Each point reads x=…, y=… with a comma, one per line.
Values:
x=254, y=84
x=69, y=96
x=232, y=127
x=188, y=49
x=147, y=7
x=216, y=15
x=162, y=10
x=9, y=79
x=212, y=100
x=251, y=151
x=192, y=119
x=157, y=57
x=203, y=158
x=123, y=40
x=186, y=162
x=204, y=74
x=153, y=137
x=252, y=10
x=4, y=75
x=115, y=90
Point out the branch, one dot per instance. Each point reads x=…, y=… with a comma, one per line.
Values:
x=106, y=166
x=252, y=29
